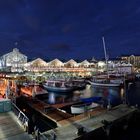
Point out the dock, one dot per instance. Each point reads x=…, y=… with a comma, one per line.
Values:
x=49, y=111
x=54, y=112
x=10, y=129
x=91, y=123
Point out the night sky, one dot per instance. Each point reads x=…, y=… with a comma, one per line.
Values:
x=67, y=29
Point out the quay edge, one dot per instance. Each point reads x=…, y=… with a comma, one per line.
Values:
x=99, y=125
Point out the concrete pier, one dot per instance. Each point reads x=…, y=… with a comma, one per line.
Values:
x=91, y=124
x=10, y=129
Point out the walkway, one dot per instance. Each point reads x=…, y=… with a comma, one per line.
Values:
x=94, y=122
x=10, y=128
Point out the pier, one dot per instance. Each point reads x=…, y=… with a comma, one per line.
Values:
x=61, y=118
x=90, y=125
x=10, y=129
x=50, y=111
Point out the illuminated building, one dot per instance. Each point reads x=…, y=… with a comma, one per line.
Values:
x=132, y=59
x=71, y=63
x=15, y=60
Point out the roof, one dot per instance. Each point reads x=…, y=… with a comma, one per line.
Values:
x=85, y=62
x=55, y=62
x=15, y=50
x=128, y=55
x=37, y=62
x=71, y=61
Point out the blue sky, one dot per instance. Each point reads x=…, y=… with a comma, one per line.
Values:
x=70, y=28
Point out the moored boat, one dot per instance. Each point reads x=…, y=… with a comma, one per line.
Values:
x=58, y=86
x=105, y=83
x=32, y=90
x=78, y=85
x=82, y=108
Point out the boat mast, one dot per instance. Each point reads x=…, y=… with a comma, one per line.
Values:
x=106, y=59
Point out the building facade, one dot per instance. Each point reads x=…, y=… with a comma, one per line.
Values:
x=15, y=60
x=132, y=59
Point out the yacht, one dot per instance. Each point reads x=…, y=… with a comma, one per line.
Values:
x=106, y=82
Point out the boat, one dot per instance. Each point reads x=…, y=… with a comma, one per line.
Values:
x=78, y=84
x=32, y=90
x=82, y=108
x=106, y=82
x=58, y=86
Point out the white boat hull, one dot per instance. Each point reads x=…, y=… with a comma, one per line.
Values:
x=105, y=84
x=81, y=108
x=58, y=89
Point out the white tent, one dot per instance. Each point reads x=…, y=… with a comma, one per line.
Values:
x=55, y=63
x=71, y=63
x=37, y=63
x=84, y=63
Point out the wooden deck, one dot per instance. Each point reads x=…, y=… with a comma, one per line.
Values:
x=49, y=111
x=81, y=117
x=10, y=129
x=90, y=124
x=59, y=117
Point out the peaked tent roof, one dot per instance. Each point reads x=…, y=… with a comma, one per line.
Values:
x=38, y=62
x=85, y=62
x=71, y=61
x=55, y=61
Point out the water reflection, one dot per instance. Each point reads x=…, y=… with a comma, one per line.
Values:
x=52, y=97
x=109, y=94
x=55, y=98
x=114, y=95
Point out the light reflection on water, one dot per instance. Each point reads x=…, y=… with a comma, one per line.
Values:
x=113, y=94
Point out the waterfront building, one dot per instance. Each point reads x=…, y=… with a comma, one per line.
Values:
x=111, y=65
x=93, y=60
x=71, y=64
x=101, y=66
x=132, y=59
x=84, y=64
x=36, y=65
x=123, y=68
x=56, y=63
x=1, y=63
x=93, y=63
x=15, y=60
x=119, y=67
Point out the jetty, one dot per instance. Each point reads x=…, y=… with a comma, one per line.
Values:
x=90, y=125
x=10, y=128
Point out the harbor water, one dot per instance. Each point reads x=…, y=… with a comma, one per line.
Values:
x=109, y=95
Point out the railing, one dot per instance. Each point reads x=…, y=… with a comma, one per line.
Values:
x=24, y=121
x=22, y=118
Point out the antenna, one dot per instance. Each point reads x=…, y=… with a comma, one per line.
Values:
x=106, y=59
